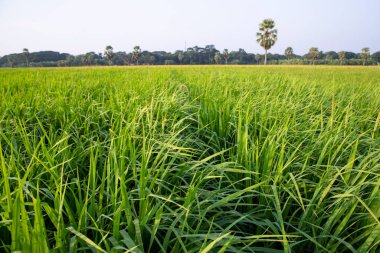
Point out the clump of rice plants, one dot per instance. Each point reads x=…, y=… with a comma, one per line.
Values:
x=190, y=159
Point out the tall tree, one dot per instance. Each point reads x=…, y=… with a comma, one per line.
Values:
x=289, y=53
x=313, y=54
x=25, y=53
x=267, y=36
x=342, y=56
x=108, y=53
x=191, y=53
x=242, y=55
x=225, y=55
x=210, y=50
x=376, y=57
x=365, y=55
x=217, y=57
x=136, y=54
x=89, y=58
x=69, y=61
x=180, y=56
x=258, y=58
x=82, y=59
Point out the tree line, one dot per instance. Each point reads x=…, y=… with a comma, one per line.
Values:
x=266, y=37
x=193, y=55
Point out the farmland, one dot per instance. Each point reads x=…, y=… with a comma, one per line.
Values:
x=190, y=159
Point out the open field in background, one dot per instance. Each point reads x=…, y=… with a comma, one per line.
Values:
x=190, y=159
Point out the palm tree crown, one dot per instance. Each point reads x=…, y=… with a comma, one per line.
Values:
x=267, y=36
x=289, y=52
x=25, y=53
x=313, y=54
x=136, y=54
x=109, y=54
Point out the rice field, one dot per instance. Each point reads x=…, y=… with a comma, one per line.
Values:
x=190, y=159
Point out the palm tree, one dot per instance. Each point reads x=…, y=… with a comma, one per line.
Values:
x=365, y=55
x=136, y=54
x=108, y=53
x=289, y=53
x=25, y=53
x=342, y=56
x=225, y=55
x=313, y=54
x=217, y=57
x=267, y=36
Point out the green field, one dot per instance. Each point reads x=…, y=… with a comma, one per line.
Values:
x=190, y=159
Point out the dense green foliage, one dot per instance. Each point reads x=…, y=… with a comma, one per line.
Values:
x=191, y=56
x=190, y=159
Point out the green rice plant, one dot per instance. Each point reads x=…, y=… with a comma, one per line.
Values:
x=190, y=159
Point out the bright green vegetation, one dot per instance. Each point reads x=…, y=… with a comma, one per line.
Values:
x=191, y=159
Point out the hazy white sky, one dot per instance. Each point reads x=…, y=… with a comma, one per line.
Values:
x=79, y=26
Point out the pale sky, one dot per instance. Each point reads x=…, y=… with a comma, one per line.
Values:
x=80, y=26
